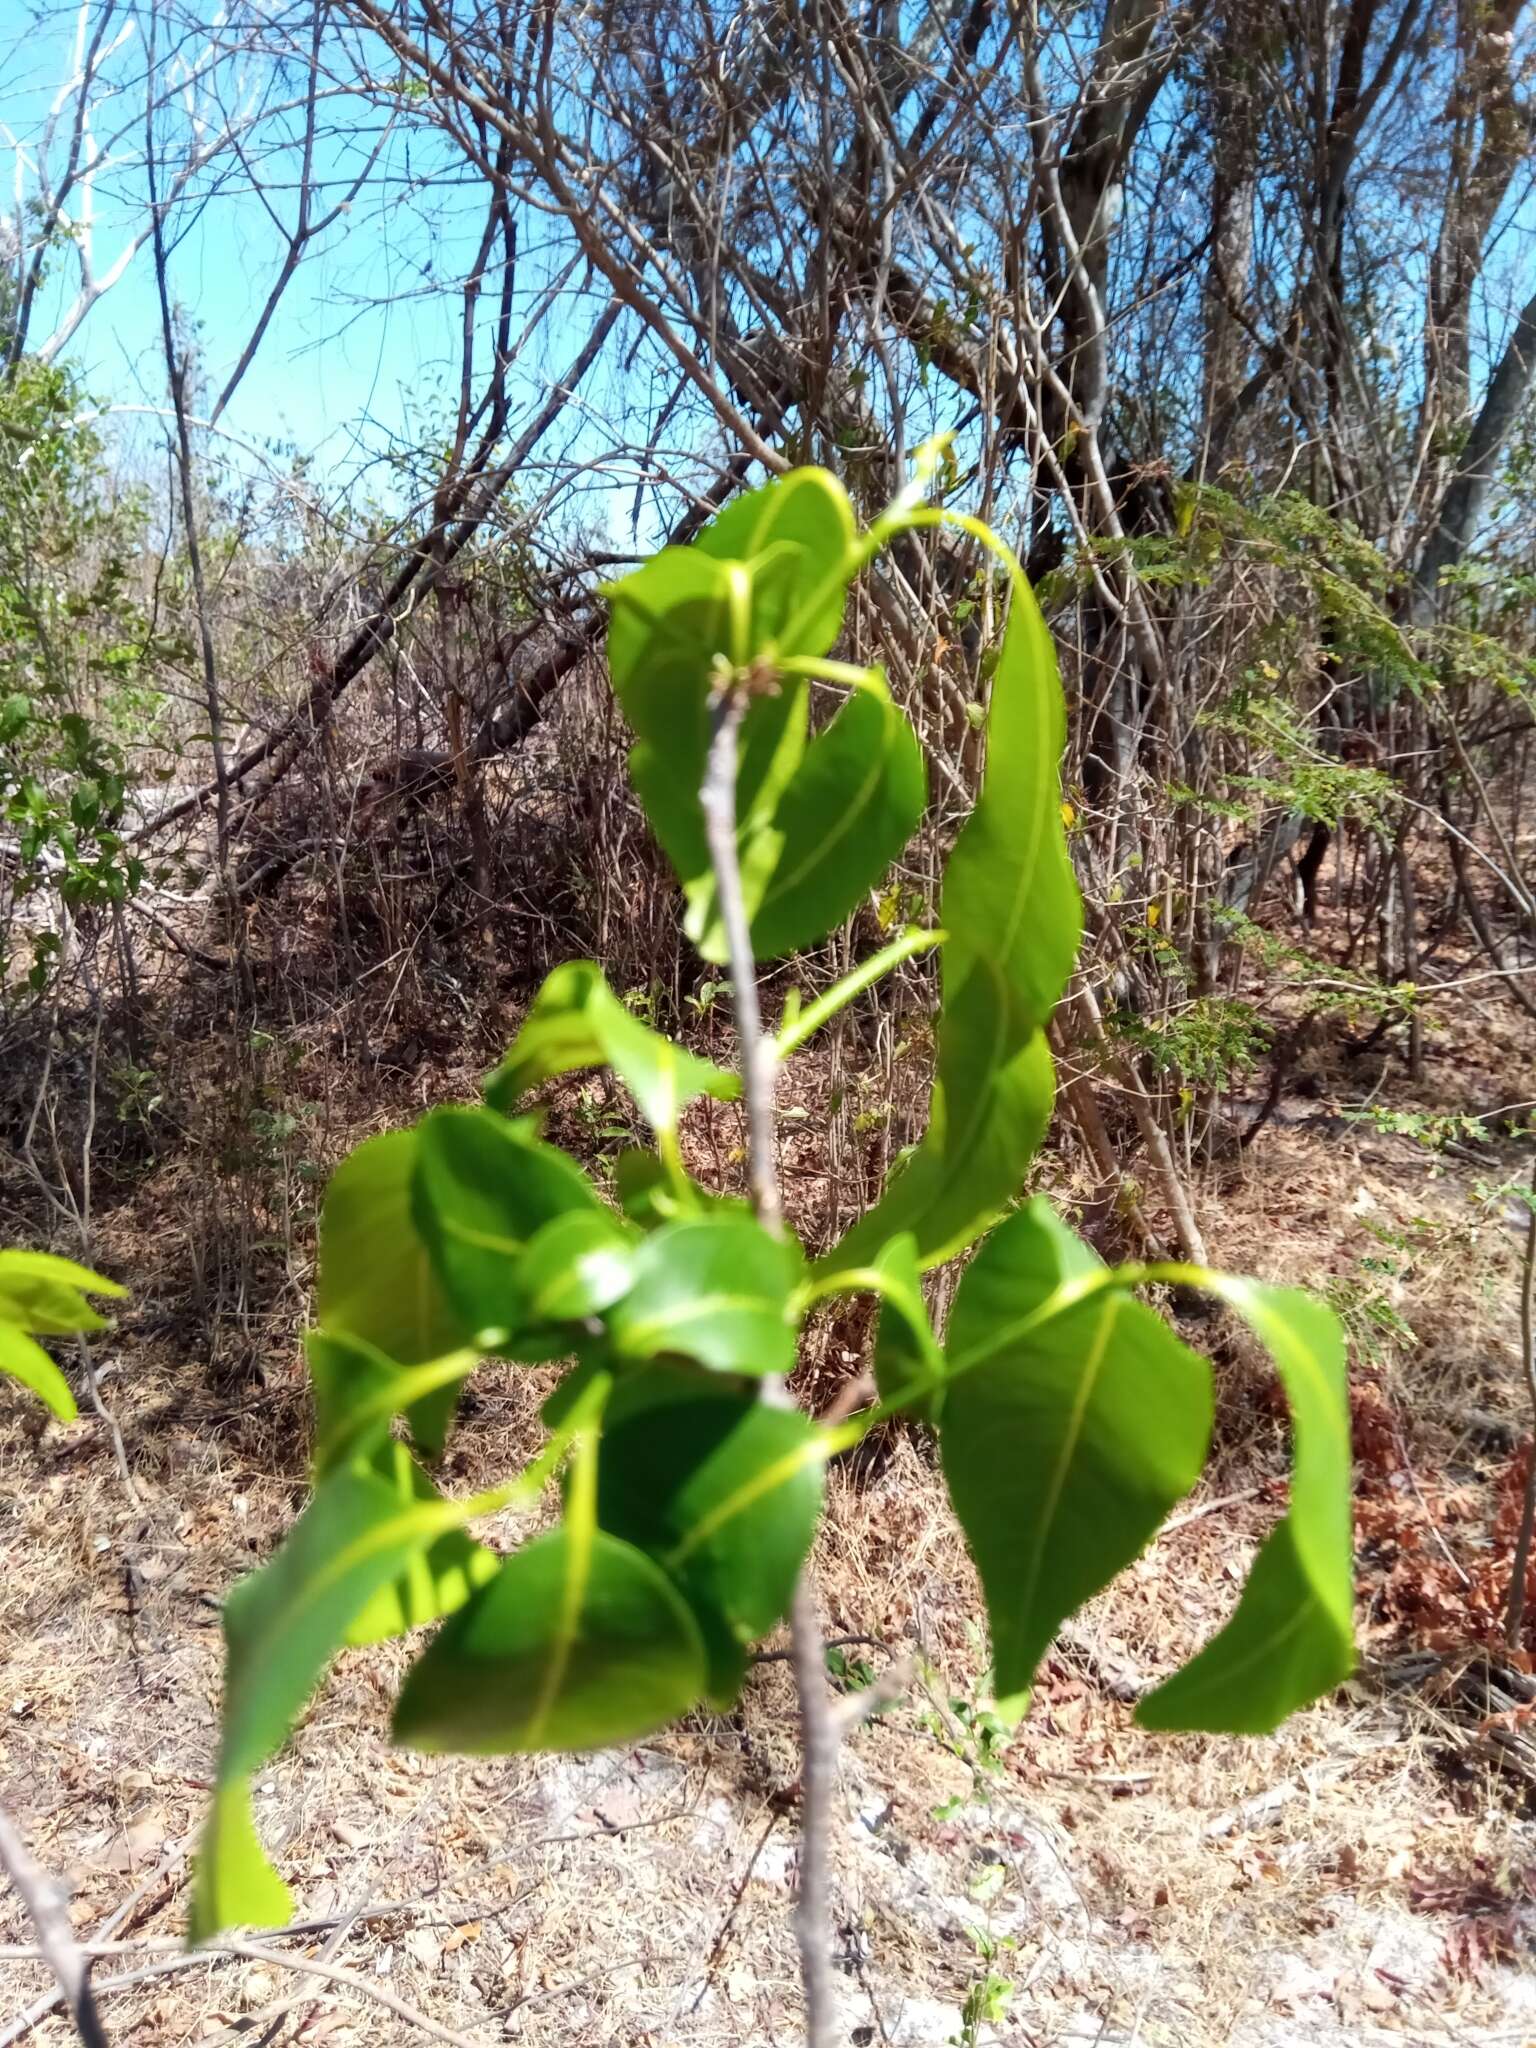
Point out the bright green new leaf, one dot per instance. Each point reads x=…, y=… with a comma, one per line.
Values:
x=713, y=1288
x=282, y=1626
x=1011, y=909
x=22, y=1358
x=1067, y=1432
x=579, y=1641
x=672, y=623
x=1292, y=1637
x=43, y=1293
x=482, y=1190
x=907, y=1354
x=577, y=1021
x=376, y=1280
x=233, y=1883
x=818, y=820
x=909, y=1364
x=723, y=1491
x=807, y=511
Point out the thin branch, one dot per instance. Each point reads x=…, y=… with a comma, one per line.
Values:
x=45, y=1903
x=1514, y=1610
x=759, y=1065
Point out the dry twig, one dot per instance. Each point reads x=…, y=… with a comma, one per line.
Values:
x=49, y=1913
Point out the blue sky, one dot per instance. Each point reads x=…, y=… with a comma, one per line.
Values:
x=362, y=352
x=363, y=349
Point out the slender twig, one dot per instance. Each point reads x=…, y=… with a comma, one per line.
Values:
x=1514, y=1610
x=108, y=1419
x=759, y=1063
x=254, y=1952
x=176, y=377
x=717, y=1947
x=46, y=1905
x=759, y=1055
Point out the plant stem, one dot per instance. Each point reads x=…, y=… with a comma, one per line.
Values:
x=792, y=1036
x=759, y=1055
x=759, y=1068
x=1514, y=1607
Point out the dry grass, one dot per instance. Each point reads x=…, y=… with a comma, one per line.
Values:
x=1131, y=1886
x=1340, y=1883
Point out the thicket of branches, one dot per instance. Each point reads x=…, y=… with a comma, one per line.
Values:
x=1227, y=311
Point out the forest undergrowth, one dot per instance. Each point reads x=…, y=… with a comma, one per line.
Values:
x=1368, y=1874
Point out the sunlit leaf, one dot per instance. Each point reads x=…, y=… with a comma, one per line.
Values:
x=233, y=1882
x=714, y=1288
x=807, y=510
x=1011, y=909
x=854, y=802
x=670, y=625
x=817, y=823
x=579, y=1641
x=282, y=1626
x=907, y=1354
x=22, y=1358
x=43, y=1293
x=1292, y=1637
x=577, y=1021
x=1067, y=1433
x=376, y=1280
x=358, y=1392
x=437, y=1579
x=576, y=1266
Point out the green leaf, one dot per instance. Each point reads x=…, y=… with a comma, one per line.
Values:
x=576, y=1021
x=1069, y=1429
x=282, y=1626
x=712, y=1288
x=23, y=1359
x=671, y=623
x=233, y=1883
x=807, y=510
x=482, y=1190
x=907, y=1354
x=1011, y=909
x=576, y=1266
x=854, y=802
x=651, y=1192
x=349, y=1379
x=437, y=1579
x=42, y=1293
x=376, y=1280
x=647, y=1189
x=1292, y=1637
x=358, y=1391
x=817, y=823
x=723, y=1491
x=767, y=577
x=579, y=1641
x=594, y=1369
x=909, y=1365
